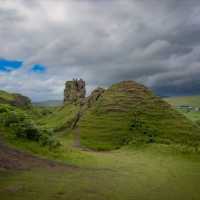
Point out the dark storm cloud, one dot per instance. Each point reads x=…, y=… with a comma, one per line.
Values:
x=156, y=42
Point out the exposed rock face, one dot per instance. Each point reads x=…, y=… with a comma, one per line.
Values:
x=94, y=96
x=14, y=99
x=21, y=101
x=74, y=91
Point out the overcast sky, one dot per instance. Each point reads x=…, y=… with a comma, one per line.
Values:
x=155, y=42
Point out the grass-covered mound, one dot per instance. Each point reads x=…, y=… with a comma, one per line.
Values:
x=129, y=113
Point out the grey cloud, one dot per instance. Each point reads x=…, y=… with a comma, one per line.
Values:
x=155, y=42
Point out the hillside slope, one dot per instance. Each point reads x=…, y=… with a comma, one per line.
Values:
x=61, y=118
x=14, y=99
x=129, y=113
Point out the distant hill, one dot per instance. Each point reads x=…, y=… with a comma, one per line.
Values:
x=184, y=100
x=14, y=99
x=49, y=103
x=129, y=113
x=193, y=101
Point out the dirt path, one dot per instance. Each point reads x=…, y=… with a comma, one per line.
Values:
x=77, y=142
x=11, y=158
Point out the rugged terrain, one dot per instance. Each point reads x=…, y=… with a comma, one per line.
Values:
x=150, y=150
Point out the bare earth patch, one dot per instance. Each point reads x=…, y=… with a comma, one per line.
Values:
x=11, y=158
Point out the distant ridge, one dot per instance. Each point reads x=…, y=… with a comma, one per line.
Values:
x=49, y=103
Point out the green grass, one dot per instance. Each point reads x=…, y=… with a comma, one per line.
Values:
x=192, y=115
x=6, y=96
x=157, y=161
x=61, y=118
x=184, y=100
x=154, y=173
x=140, y=172
x=128, y=113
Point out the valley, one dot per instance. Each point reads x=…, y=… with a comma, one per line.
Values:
x=119, y=143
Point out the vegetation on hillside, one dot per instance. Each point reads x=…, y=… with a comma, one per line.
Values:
x=18, y=124
x=61, y=118
x=128, y=113
x=126, y=116
x=14, y=99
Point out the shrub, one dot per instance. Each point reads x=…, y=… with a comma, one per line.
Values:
x=26, y=129
x=47, y=139
x=22, y=126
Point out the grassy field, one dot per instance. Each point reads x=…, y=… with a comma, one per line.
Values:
x=184, y=100
x=151, y=172
x=193, y=101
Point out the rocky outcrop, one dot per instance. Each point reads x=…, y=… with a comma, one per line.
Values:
x=20, y=101
x=74, y=91
x=94, y=96
x=14, y=99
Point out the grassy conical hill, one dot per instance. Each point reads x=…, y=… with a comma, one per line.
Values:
x=129, y=113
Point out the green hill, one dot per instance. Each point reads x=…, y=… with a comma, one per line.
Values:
x=14, y=99
x=43, y=159
x=129, y=113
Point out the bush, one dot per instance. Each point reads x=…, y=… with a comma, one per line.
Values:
x=22, y=126
x=26, y=129
x=47, y=139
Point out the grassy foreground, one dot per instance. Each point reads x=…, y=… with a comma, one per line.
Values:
x=140, y=173
x=137, y=171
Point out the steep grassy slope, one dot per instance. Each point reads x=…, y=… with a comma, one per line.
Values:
x=129, y=113
x=61, y=118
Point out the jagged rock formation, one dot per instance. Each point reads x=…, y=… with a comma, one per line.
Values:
x=94, y=96
x=21, y=101
x=74, y=91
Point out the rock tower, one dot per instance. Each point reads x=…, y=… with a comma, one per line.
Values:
x=74, y=91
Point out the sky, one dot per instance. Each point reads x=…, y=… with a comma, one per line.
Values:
x=44, y=43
